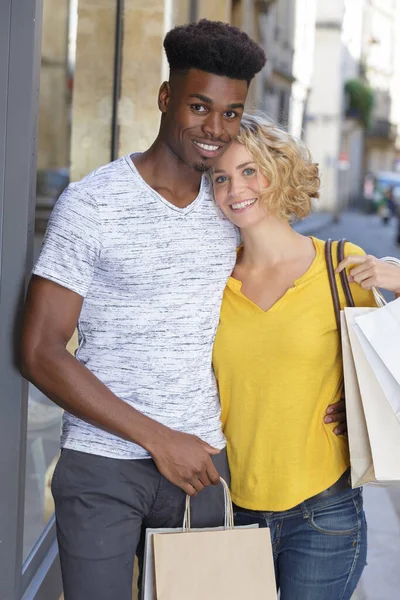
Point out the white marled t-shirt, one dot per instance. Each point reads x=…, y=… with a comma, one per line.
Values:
x=152, y=277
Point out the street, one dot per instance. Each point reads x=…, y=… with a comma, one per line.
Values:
x=381, y=578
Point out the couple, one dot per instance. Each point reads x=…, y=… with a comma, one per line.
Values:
x=136, y=257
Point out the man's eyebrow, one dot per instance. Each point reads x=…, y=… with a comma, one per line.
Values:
x=249, y=162
x=202, y=98
x=211, y=101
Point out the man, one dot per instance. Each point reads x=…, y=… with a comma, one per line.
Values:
x=136, y=256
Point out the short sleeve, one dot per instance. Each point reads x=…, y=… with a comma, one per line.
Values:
x=361, y=297
x=72, y=242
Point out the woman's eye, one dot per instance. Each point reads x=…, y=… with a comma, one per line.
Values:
x=220, y=179
x=198, y=108
x=249, y=171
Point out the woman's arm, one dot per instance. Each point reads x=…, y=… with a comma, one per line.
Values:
x=372, y=272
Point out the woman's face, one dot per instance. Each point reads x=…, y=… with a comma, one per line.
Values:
x=238, y=185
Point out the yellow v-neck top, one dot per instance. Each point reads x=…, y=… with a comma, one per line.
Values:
x=277, y=372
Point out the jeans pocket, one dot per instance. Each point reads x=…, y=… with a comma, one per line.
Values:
x=338, y=518
x=243, y=518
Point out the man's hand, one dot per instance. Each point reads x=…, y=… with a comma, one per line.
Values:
x=336, y=413
x=185, y=460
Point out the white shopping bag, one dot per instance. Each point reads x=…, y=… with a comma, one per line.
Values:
x=362, y=464
x=379, y=335
x=371, y=418
x=176, y=546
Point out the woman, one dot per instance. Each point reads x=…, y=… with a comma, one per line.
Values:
x=278, y=364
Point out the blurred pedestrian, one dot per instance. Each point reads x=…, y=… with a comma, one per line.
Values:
x=277, y=359
x=396, y=195
x=369, y=189
x=388, y=208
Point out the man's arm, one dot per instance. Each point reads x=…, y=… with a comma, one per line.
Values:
x=51, y=315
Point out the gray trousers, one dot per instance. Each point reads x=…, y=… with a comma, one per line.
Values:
x=103, y=507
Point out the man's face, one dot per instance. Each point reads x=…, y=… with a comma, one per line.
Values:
x=201, y=115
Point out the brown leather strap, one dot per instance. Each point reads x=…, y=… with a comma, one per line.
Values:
x=332, y=281
x=343, y=274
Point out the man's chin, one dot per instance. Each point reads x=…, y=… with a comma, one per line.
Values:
x=201, y=167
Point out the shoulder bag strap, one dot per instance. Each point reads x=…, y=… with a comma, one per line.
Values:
x=332, y=281
x=343, y=274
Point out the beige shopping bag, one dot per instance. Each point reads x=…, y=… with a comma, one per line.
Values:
x=374, y=431
x=149, y=582
x=215, y=564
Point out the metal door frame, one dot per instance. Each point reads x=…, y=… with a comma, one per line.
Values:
x=20, y=54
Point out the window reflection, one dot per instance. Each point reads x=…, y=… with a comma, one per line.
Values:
x=54, y=134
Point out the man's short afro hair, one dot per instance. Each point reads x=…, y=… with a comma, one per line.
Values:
x=214, y=47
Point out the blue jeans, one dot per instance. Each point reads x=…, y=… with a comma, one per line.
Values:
x=319, y=547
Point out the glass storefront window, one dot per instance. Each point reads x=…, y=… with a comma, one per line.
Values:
x=55, y=101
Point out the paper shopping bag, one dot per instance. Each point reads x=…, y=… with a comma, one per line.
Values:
x=379, y=335
x=217, y=564
x=361, y=462
x=149, y=581
x=382, y=426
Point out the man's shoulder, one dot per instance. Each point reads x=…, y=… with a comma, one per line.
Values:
x=113, y=175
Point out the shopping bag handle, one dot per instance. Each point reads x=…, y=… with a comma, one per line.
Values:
x=332, y=279
x=228, y=523
x=343, y=275
x=379, y=298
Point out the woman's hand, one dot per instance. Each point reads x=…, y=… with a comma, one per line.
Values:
x=371, y=272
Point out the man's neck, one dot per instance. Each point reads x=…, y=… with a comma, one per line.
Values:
x=162, y=170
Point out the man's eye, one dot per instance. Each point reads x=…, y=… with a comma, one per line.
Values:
x=198, y=108
x=220, y=179
x=249, y=171
x=230, y=114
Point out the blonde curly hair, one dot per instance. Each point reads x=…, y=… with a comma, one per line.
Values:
x=286, y=163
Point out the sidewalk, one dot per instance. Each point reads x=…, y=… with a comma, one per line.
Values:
x=380, y=580
x=314, y=223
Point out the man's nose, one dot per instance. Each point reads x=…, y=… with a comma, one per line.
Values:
x=213, y=126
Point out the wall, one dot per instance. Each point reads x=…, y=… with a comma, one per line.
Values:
x=276, y=27
x=144, y=31
x=380, y=55
x=53, y=137
x=303, y=60
x=324, y=112
x=93, y=86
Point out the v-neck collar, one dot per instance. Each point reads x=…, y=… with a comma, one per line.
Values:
x=236, y=285
x=204, y=189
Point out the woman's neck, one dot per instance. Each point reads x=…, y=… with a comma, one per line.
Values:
x=271, y=242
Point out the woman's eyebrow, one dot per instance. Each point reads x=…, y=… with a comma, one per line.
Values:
x=249, y=162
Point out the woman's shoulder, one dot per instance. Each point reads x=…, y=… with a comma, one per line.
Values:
x=350, y=249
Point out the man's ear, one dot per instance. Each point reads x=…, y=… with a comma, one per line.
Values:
x=164, y=96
